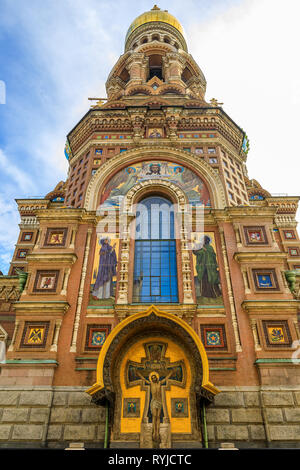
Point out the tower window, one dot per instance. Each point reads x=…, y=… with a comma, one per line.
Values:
x=155, y=67
x=155, y=267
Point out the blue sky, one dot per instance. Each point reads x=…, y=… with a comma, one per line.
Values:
x=54, y=54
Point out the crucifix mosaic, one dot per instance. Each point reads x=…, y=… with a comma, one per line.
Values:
x=155, y=373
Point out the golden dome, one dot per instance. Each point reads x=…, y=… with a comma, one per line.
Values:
x=156, y=14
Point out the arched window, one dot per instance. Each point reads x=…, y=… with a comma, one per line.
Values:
x=155, y=267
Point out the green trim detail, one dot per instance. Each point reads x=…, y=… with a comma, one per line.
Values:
x=222, y=368
x=86, y=358
x=31, y=361
x=283, y=360
x=222, y=358
x=86, y=368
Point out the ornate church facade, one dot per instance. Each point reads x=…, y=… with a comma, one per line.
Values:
x=153, y=297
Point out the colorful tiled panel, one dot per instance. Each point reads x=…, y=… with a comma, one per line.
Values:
x=131, y=408
x=213, y=336
x=277, y=333
x=21, y=253
x=289, y=234
x=155, y=133
x=45, y=281
x=255, y=235
x=96, y=336
x=179, y=408
x=27, y=236
x=55, y=237
x=34, y=335
x=293, y=251
x=265, y=280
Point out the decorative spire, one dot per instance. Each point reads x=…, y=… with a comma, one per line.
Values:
x=155, y=8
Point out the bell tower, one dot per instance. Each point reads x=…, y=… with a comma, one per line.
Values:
x=156, y=61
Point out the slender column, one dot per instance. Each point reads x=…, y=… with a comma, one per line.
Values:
x=246, y=281
x=80, y=293
x=11, y=347
x=55, y=340
x=73, y=236
x=296, y=324
x=66, y=279
x=237, y=235
x=230, y=293
x=255, y=335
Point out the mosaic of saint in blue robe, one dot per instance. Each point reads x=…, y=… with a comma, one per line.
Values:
x=103, y=287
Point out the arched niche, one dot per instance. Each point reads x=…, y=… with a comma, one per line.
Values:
x=179, y=349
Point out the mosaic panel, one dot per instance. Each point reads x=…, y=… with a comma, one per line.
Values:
x=214, y=337
x=293, y=251
x=34, y=335
x=206, y=269
x=104, y=275
x=265, y=280
x=117, y=188
x=255, y=235
x=131, y=407
x=289, y=234
x=22, y=253
x=96, y=336
x=46, y=281
x=179, y=408
x=55, y=237
x=26, y=236
x=277, y=333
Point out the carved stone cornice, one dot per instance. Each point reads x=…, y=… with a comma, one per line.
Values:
x=68, y=215
x=41, y=307
x=270, y=307
x=260, y=257
x=52, y=258
x=9, y=288
x=198, y=116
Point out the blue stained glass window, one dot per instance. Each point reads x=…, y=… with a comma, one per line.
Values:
x=155, y=267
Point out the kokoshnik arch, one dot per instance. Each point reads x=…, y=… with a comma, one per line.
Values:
x=153, y=296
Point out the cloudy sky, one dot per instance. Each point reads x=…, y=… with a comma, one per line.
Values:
x=54, y=54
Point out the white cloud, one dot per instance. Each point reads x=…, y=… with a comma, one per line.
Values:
x=9, y=220
x=247, y=50
x=21, y=178
x=249, y=55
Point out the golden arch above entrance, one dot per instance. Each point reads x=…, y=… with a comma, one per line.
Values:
x=153, y=371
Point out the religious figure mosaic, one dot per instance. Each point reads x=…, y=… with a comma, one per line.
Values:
x=193, y=186
x=206, y=269
x=154, y=373
x=104, y=277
